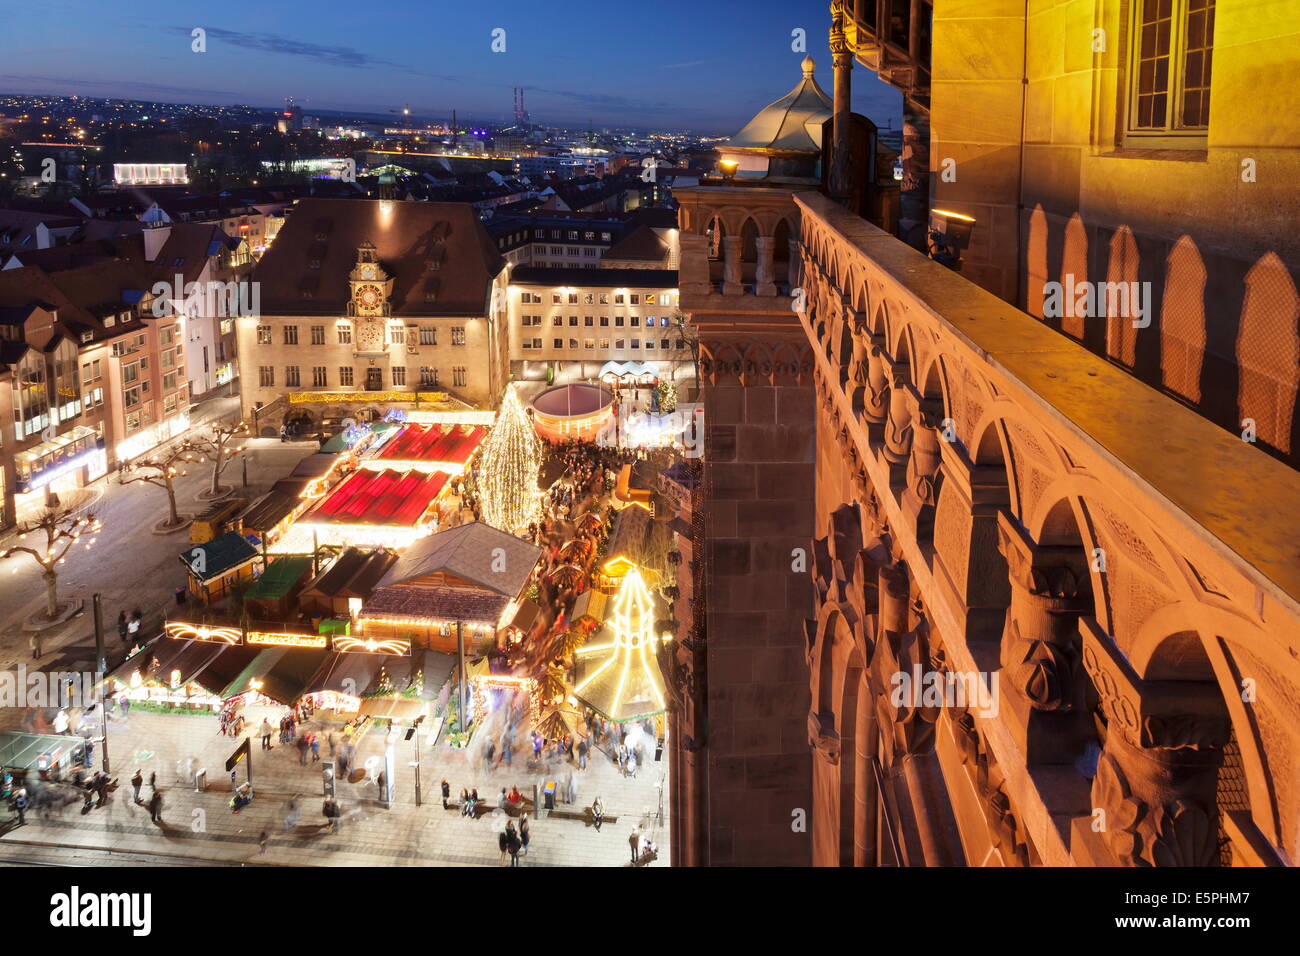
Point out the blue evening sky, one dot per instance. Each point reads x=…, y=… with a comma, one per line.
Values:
x=707, y=65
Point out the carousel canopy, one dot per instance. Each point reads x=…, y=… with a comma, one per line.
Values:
x=623, y=370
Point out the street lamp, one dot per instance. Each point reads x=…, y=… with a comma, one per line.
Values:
x=729, y=167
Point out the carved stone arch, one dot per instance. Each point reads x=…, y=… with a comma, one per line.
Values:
x=933, y=383
x=734, y=218
x=880, y=318
x=1162, y=648
x=783, y=231
x=902, y=351
x=990, y=450
x=838, y=664
x=750, y=231
x=1193, y=745
x=1136, y=572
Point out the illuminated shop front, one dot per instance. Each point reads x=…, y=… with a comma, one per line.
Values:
x=152, y=436
x=69, y=461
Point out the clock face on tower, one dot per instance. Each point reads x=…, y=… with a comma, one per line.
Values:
x=369, y=297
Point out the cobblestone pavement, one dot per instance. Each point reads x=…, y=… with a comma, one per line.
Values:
x=200, y=826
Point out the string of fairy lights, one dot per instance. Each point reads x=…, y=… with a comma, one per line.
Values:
x=508, y=469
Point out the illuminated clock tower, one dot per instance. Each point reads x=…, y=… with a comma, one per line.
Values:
x=371, y=287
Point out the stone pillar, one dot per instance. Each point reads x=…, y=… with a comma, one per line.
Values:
x=842, y=61
x=1042, y=685
x=1154, y=796
x=732, y=277
x=875, y=407
x=763, y=278
x=864, y=779
x=796, y=248
x=898, y=428
x=923, y=468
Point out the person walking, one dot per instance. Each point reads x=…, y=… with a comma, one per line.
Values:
x=446, y=793
x=20, y=805
x=262, y=841
x=634, y=841
x=582, y=755
x=330, y=740
x=292, y=814
x=464, y=802
x=122, y=627
x=137, y=781
x=503, y=841
x=153, y=780
x=302, y=750
x=332, y=813
x=523, y=832
x=315, y=749
x=598, y=813
x=512, y=843
x=265, y=731
x=35, y=642
x=155, y=807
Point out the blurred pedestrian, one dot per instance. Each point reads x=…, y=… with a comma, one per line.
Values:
x=137, y=781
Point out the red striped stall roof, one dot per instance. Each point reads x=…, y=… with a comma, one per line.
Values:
x=380, y=497
x=434, y=443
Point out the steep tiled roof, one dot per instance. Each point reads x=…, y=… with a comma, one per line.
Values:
x=317, y=249
x=469, y=552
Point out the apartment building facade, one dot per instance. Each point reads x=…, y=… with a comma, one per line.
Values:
x=90, y=378
x=569, y=324
x=368, y=303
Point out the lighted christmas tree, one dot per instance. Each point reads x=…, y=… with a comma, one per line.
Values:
x=621, y=678
x=511, y=460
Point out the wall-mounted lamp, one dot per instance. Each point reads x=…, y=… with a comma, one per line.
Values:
x=949, y=235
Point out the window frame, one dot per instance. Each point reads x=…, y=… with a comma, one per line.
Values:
x=1171, y=135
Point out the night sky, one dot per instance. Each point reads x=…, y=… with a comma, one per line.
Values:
x=671, y=64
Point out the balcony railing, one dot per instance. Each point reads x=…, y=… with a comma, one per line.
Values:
x=1125, y=568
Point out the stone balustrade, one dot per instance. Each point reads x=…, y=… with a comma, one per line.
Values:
x=1120, y=575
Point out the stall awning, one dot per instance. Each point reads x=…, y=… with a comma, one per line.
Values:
x=281, y=673
x=345, y=674
x=279, y=578
x=211, y=560
x=393, y=708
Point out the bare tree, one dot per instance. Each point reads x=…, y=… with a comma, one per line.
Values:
x=161, y=468
x=56, y=530
x=220, y=446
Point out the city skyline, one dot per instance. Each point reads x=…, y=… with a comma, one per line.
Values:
x=571, y=73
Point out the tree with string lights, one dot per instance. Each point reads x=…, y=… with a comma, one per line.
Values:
x=161, y=468
x=508, y=469
x=219, y=445
x=56, y=530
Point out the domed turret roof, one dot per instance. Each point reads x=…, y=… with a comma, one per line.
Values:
x=791, y=124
